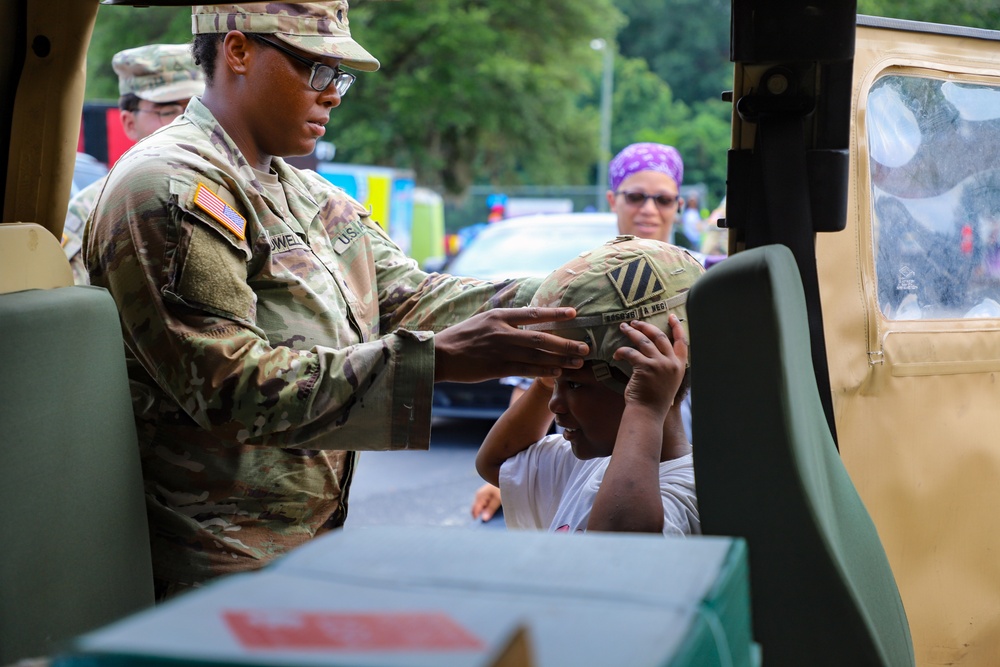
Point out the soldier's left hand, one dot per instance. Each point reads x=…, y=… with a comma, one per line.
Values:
x=491, y=345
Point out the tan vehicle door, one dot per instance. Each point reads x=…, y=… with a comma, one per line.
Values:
x=911, y=301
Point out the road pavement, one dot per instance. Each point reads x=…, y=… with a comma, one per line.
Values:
x=422, y=488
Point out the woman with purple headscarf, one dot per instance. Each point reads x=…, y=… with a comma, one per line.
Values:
x=644, y=181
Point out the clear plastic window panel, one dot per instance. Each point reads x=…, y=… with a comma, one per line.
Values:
x=935, y=179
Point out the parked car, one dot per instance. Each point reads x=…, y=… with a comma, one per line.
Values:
x=531, y=245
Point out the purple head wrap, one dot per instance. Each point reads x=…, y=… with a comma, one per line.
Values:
x=645, y=157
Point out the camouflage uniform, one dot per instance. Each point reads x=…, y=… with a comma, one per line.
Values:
x=159, y=73
x=79, y=210
x=265, y=343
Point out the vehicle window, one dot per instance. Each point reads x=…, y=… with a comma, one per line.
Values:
x=933, y=146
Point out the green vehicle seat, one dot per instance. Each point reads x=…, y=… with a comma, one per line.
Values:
x=76, y=550
x=768, y=470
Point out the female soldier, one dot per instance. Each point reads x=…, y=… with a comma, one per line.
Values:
x=271, y=328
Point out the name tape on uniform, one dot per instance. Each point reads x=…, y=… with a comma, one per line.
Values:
x=639, y=312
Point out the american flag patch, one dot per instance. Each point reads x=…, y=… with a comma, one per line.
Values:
x=209, y=202
x=636, y=281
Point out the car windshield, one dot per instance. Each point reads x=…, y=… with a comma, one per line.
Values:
x=515, y=249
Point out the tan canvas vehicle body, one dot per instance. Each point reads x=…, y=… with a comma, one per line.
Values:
x=910, y=294
x=911, y=308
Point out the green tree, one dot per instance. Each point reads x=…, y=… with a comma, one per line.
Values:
x=476, y=91
x=488, y=92
x=703, y=141
x=971, y=13
x=685, y=42
x=643, y=104
x=507, y=92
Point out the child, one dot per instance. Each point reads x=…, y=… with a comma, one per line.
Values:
x=623, y=462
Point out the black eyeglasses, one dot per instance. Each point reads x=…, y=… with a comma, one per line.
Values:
x=320, y=75
x=164, y=113
x=639, y=199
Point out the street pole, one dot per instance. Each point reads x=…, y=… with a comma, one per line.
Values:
x=604, y=150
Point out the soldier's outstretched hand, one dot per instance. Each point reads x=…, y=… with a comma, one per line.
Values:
x=491, y=345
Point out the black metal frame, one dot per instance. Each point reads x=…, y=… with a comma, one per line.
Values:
x=792, y=183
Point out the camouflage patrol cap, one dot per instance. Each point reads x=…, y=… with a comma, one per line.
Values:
x=626, y=279
x=158, y=73
x=319, y=28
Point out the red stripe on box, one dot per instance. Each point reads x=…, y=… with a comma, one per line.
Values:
x=328, y=631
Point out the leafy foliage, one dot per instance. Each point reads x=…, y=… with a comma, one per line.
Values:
x=470, y=91
x=685, y=43
x=971, y=13
x=481, y=92
x=507, y=92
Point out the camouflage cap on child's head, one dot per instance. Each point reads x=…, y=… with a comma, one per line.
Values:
x=158, y=73
x=626, y=279
x=319, y=28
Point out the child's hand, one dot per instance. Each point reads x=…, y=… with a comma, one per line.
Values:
x=657, y=364
x=486, y=503
x=549, y=382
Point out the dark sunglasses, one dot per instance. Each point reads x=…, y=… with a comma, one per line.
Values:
x=320, y=75
x=639, y=199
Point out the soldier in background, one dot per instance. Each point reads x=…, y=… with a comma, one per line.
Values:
x=155, y=83
x=272, y=329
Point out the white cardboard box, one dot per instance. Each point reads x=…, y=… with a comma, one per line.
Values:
x=447, y=597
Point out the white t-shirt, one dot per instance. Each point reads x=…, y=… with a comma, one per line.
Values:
x=546, y=487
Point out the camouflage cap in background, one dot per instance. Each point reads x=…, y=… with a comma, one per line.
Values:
x=158, y=73
x=319, y=28
x=626, y=279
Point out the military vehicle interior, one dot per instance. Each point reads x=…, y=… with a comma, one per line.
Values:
x=826, y=161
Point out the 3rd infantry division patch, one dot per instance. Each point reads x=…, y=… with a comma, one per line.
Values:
x=636, y=281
